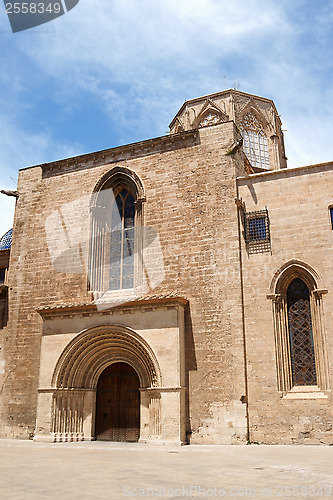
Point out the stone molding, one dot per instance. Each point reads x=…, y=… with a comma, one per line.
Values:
x=90, y=308
x=105, y=342
x=183, y=139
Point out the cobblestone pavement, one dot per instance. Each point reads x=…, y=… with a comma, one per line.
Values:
x=123, y=470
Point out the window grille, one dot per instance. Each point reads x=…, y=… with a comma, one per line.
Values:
x=300, y=334
x=256, y=226
x=256, y=231
x=299, y=329
x=255, y=142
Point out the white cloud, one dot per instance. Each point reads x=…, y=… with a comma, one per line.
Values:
x=141, y=59
x=18, y=149
x=7, y=207
x=153, y=30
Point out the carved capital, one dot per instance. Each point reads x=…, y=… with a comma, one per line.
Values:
x=274, y=297
x=320, y=291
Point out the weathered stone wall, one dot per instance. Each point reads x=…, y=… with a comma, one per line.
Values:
x=190, y=192
x=190, y=185
x=298, y=203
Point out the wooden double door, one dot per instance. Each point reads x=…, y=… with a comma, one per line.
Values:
x=118, y=404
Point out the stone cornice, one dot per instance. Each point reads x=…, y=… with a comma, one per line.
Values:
x=89, y=308
x=120, y=153
x=285, y=172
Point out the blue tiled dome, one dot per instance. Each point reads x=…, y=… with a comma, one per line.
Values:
x=6, y=240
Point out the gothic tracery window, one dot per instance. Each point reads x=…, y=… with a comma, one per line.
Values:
x=122, y=242
x=210, y=119
x=302, y=354
x=115, y=236
x=255, y=142
x=300, y=338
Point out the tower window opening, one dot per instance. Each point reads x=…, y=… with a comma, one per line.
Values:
x=255, y=142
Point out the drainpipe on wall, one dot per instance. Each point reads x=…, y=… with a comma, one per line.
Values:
x=240, y=207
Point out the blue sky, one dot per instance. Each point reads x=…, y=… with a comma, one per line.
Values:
x=112, y=72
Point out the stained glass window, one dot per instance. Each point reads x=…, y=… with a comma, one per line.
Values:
x=300, y=334
x=331, y=214
x=255, y=143
x=122, y=242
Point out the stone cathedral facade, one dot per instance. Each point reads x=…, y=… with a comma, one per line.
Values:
x=176, y=290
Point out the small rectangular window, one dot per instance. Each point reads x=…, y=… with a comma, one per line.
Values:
x=256, y=231
x=2, y=276
x=256, y=226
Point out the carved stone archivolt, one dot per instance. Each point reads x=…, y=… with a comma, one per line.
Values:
x=84, y=359
x=292, y=269
x=79, y=368
x=115, y=177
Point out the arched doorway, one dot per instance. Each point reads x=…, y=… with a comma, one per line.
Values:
x=76, y=377
x=118, y=404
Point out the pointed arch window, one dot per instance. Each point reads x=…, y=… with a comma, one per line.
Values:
x=116, y=236
x=122, y=241
x=303, y=365
x=255, y=142
x=301, y=357
x=112, y=256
